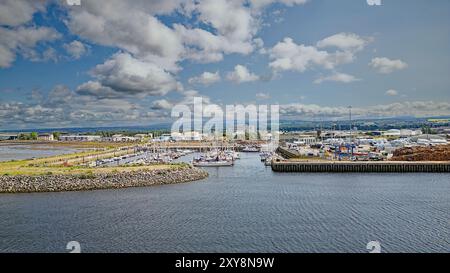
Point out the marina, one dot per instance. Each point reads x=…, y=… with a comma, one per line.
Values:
x=244, y=208
x=216, y=158
x=142, y=158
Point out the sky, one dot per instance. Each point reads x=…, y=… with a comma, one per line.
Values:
x=118, y=63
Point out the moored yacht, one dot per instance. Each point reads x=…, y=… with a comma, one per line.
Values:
x=212, y=162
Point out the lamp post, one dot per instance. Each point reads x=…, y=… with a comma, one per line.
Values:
x=351, y=129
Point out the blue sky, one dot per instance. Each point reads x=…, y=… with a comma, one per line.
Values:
x=93, y=64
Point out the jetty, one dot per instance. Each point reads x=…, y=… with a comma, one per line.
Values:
x=361, y=167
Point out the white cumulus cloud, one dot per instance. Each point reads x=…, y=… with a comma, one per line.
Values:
x=258, y=4
x=407, y=108
x=125, y=75
x=76, y=49
x=241, y=74
x=387, y=66
x=206, y=78
x=17, y=12
x=337, y=77
x=392, y=92
x=344, y=41
x=262, y=96
x=287, y=55
x=22, y=40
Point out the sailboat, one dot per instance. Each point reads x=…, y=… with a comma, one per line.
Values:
x=214, y=159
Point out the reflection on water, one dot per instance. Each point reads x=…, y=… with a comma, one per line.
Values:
x=20, y=152
x=246, y=208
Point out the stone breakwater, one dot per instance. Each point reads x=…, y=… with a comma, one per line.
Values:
x=60, y=183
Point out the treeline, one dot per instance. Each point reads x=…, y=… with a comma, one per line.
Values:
x=35, y=136
x=29, y=136
x=56, y=135
x=155, y=133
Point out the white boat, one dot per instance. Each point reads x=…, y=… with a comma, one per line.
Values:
x=250, y=150
x=265, y=156
x=232, y=155
x=220, y=163
x=213, y=160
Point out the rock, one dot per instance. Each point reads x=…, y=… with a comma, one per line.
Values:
x=58, y=183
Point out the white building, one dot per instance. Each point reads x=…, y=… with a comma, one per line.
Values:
x=142, y=137
x=193, y=136
x=186, y=136
x=427, y=140
x=175, y=136
x=163, y=138
x=402, y=133
x=82, y=138
x=410, y=133
x=46, y=137
x=392, y=133
x=9, y=136
x=305, y=140
x=122, y=138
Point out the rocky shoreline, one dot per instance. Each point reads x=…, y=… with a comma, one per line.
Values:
x=60, y=183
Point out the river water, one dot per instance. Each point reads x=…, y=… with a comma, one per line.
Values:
x=245, y=208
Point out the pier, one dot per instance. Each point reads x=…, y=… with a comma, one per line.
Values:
x=362, y=167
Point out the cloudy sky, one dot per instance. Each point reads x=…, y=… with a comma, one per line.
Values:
x=114, y=62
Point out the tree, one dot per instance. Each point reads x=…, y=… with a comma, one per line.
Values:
x=34, y=136
x=56, y=135
x=426, y=130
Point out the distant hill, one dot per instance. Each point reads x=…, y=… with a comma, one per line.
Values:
x=285, y=125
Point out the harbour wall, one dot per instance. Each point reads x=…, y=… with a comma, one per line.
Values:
x=287, y=154
x=60, y=183
x=362, y=167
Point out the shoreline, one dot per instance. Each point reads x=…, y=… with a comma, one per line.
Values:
x=102, y=181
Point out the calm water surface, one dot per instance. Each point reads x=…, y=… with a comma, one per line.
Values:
x=20, y=152
x=247, y=208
